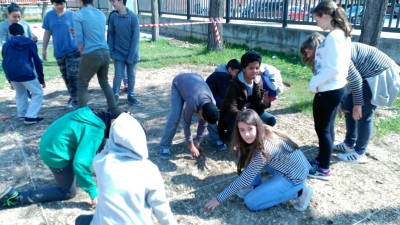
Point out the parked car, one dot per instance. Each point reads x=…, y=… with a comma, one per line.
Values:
x=297, y=13
x=396, y=10
x=262, y=9
x=355, y=13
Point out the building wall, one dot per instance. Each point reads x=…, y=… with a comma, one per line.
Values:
x=287, y=40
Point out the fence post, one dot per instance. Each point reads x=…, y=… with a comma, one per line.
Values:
x=228, y=10
x=285, y=13
x=155, y=20
x=138, y=8
x=159, y=7
x=188, y=9
x=216, y=11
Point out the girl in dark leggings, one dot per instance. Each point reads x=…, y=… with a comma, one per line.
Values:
x=331, y=63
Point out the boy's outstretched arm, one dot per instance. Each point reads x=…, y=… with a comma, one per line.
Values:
x=134, y=46
x=38, y=65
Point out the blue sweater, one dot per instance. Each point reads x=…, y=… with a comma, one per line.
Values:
x=18, y=53
x=195, y=93
x=90, y=29
x=123, y=36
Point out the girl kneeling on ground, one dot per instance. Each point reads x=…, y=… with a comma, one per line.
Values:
x=258, y=146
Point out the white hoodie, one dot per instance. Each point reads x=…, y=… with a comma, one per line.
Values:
x=130, y=186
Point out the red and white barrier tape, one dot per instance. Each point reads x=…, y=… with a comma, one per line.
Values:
x=215, y=21
x=170, y=24
x=211, y=20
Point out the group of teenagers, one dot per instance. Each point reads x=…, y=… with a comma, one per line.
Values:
x=81, y=50
x=350, y=78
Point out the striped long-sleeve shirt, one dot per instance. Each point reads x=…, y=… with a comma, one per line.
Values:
x=366, y=61
x=289, y=162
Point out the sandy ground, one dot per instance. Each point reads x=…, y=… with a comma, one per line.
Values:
x=356, y=194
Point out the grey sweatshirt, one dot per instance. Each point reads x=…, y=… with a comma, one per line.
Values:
x=130, y=186
x=195, y=92
x=123, y=36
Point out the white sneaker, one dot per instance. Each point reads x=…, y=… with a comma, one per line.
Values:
x=302, y=202
x=244, y=191
x=342, y=147
x=353, y=157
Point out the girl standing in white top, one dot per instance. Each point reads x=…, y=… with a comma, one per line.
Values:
x=331, y=65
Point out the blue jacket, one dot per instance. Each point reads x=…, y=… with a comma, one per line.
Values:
x=123, y=37
x=18, y=53
x=218, y=83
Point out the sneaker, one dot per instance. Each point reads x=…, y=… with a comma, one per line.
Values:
x=165, y=153
x=302, y=202
x=353, y=157
x=32, y=120
x=342, y=147
x=319, y=173
x=221, y=146
x=134, y=102
x=8, y=197
x=244, y=191
x=72, y=105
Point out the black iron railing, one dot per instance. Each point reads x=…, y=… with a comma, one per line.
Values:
x=280, y=11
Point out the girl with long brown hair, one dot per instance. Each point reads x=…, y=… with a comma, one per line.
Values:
x=257, y=146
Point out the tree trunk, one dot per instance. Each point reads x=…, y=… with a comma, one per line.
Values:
x=216, y=10
x=44, y=9
x=155, y=20
x=374, y=17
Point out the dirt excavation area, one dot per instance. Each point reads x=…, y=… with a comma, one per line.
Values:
x=356, y=193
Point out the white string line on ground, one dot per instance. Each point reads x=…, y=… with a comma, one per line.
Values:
x=18, y=140
x=369, y=215
x=204, y=187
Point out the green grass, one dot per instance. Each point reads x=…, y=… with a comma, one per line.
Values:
x=166, y=53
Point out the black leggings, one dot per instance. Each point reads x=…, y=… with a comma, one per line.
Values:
x=325, y=107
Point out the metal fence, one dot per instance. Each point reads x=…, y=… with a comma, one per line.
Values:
x=280, y=11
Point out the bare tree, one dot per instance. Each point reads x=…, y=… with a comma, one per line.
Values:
x=155, y=20
x=216, y=10
x=374, y=17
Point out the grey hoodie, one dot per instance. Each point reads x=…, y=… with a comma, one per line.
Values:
x=130, y=186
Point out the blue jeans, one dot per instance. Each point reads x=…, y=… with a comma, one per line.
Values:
x=268, y=118
x=213, y=133
x=84, y=220
x=173, y=118
x=275, y=190
x=358, y=133
x=65, y=189
x=121, y=68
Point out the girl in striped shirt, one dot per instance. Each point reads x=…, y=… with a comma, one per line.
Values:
x=257, y=146
x=368, y=65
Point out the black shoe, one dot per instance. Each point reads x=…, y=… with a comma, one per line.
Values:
x=9, y=197
x=134, y=102
x=32, y=120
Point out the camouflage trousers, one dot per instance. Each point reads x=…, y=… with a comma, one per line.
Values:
x=69, y=66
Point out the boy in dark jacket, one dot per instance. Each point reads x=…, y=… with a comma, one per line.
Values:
x=218, y=82
x=19, y=53
x=244, y=92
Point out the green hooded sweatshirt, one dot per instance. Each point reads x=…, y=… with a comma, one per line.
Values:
x=74, y=137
